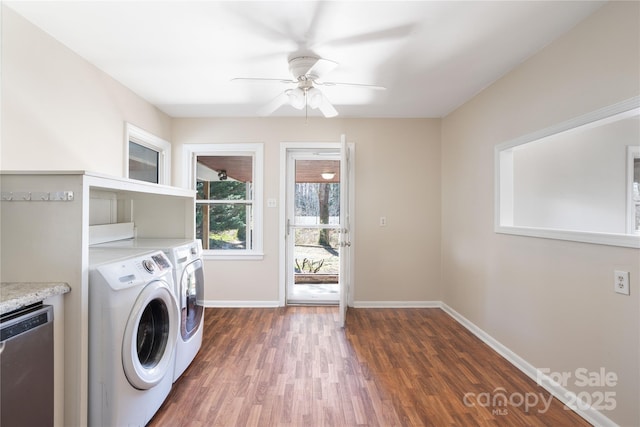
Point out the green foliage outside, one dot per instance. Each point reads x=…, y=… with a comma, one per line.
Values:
x=227, y=221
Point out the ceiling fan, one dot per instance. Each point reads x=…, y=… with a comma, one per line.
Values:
x=307, y=72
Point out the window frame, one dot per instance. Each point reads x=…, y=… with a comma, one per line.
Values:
x=633, y=153
x=256, y=150
x=504, y=191
x=148, y=140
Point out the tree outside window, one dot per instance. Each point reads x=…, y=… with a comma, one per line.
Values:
x=224, y=202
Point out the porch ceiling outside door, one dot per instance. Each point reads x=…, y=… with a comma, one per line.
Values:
x=239, y=168
x=312, y=170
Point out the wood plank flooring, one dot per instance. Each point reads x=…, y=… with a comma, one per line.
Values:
x=294, y=366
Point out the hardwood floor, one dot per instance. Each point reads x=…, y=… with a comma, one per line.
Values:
x=390, y=367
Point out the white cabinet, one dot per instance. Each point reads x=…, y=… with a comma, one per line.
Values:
x=46, y=218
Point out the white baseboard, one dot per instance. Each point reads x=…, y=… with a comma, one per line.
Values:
x=239, y=304
x=397, y=304
x=567, y=397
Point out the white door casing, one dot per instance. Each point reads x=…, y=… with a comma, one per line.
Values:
x=346, y=215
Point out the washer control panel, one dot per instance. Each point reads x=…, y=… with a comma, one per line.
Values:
x=148, y=265
x=125, y=272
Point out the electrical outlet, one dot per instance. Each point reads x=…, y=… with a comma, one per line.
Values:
x=383, y=221
x=621, y=282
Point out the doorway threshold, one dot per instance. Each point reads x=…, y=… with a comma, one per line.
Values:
x=312, y=302
x=316, y=294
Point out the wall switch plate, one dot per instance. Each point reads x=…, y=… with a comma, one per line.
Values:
x=383, y=221
x=621, y=282
x=272, y=203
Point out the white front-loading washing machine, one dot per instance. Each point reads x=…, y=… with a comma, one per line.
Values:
x=188, y=276
x=133, y=329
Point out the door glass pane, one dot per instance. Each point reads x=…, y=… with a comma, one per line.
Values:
x=153, y=333
x=316, y=263
x=143, y=163
x=317, y=198
x=192, y=291
x=316, y=231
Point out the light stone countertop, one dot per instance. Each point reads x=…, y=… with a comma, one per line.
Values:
x=14, y=296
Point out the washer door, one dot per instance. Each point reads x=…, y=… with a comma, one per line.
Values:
x=150, y=336
x=191, y=297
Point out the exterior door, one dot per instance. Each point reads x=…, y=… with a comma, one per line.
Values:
x=317, y=270
x=345, y=228
x=312, y=225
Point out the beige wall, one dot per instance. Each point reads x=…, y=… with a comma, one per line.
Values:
x=397, y=175
x=59, y=111
x=551, y=302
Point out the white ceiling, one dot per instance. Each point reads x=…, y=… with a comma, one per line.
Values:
x=431, y=55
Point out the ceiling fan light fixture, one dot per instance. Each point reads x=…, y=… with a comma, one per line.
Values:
x=306, y=71
x=296, y=98
x=315, y=98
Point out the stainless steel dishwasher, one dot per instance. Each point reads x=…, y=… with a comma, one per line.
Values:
x=26, y=364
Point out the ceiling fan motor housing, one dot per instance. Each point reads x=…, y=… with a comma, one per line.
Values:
x=301, y=66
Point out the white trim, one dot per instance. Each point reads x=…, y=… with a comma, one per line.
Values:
x=503, y=168
x=633, y=152
x=151, y=141
x=593, y=118
x=282, y=228
x=622, y=240
x=397, y=304
x=256, y=149
x=232, y=256
x=565, y=396
x=239, y=304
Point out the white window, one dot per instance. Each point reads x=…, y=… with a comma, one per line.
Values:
x=147, y=157
x=228, y=182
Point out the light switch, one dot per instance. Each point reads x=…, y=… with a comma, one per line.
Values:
x=272, y=203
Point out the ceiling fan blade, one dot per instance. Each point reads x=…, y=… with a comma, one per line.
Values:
x=273, y=105
x=321, y=67
x=398, y=32
x=278, y=31
x=326, y=108
x=260, y=79
x=317, y=22
x=360, y=85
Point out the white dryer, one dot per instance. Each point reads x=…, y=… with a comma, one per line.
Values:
x=133, y=329
x=188, y=275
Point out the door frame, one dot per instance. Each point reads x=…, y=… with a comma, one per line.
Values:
x=282, y=229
